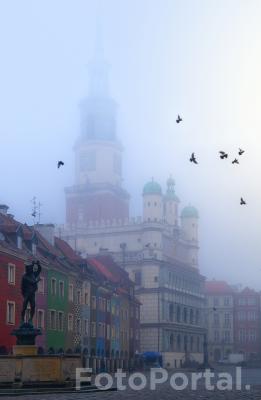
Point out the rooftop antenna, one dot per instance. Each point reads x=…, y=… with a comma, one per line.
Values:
x=34, y=209
x=39, y=212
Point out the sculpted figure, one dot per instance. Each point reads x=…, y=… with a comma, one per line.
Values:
x=29, y=288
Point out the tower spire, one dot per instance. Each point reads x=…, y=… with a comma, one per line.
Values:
x=98, y=67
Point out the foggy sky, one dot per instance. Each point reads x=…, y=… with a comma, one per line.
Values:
x=201, y=59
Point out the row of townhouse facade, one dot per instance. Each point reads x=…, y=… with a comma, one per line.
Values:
x=233, y=317
x=83, y=305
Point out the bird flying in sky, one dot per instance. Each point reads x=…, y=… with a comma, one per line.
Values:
x=178, y=120
x=240, y=152
x=59, y=164
x=193, y=158
x=223, y=155
x=242, y=202
x=235, y=161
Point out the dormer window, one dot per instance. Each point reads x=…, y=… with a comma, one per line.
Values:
x=19, y=242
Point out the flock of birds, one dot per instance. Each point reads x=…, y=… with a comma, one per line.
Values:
x=222, y=154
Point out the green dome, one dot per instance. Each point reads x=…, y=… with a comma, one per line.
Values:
x=189, y=212
x=152, y=187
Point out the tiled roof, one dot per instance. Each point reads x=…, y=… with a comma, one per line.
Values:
x=218, y=287
x=103, y=269
x=66, y=250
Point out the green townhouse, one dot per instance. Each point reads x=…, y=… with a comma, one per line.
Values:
x=57, y=305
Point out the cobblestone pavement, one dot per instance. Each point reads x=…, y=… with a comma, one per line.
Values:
x=166, y=392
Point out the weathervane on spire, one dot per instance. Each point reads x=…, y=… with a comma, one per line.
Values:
x=36, y=210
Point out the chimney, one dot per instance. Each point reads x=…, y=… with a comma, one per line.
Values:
x=3, y=209
x=47, y=231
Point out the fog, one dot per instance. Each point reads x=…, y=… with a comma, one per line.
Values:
x=201, y=59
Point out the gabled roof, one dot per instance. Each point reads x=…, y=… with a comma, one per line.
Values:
x=247, y=291
x=218, y=287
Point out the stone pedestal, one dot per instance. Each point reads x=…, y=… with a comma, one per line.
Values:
x=26, y=334
x=21, y=350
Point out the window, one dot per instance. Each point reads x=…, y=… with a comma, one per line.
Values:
x=79, y=295
x=108, y=305
x=137, y=277
x=93, y=329
x=242, y=301
x=11, y=274
x=70, y=292
x=113, y=332
x=60, y=321
x=19, y=242
x=61, y=288
x=100, y=303
x=100, y=329
x=226, y=301
x=227, y=336
x=242, y=335
x=78, y=326
x=241, y=315
x=52, y=319
x=70, y=322
x=53, y=286
x=94, y=302
x=40, y=319
x=251, y=301
x=41, y=286
x=227, y=320
x=252, y=335
x=252, y=315
x=10, y=313
x=86, y=298
x=86, y=327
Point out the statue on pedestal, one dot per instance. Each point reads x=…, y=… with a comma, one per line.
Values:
x=26, y=333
